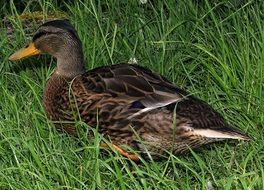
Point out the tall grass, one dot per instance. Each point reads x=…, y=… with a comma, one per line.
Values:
x=213, y=49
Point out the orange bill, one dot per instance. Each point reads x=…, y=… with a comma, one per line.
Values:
x=28, y=51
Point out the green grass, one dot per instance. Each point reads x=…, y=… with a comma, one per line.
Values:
x=214, y=50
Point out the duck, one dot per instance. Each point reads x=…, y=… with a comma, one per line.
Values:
x=137, y=111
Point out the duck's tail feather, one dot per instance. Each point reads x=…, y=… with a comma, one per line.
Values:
x=222, y=133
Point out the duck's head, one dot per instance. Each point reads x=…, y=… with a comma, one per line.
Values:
x=59, y=39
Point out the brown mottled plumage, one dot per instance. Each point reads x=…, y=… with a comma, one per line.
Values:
x=132, y=105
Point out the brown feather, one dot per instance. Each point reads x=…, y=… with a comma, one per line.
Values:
x=108, y=93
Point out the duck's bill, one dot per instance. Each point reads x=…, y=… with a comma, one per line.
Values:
x=28, y=51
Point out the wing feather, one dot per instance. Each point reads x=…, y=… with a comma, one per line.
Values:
x=134, y=83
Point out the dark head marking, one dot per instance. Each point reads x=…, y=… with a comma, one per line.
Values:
x=62, y=24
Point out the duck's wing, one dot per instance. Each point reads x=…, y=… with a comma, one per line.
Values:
x=138, y=90
x=203, y=121
x=139, y=86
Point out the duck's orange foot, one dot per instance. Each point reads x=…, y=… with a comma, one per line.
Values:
x=133, y=157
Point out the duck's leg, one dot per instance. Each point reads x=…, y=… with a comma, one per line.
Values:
x=133, y=157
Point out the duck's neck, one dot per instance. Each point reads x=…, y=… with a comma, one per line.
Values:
x=70, y=63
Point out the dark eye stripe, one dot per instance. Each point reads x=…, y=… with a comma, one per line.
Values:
x=38, y=35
